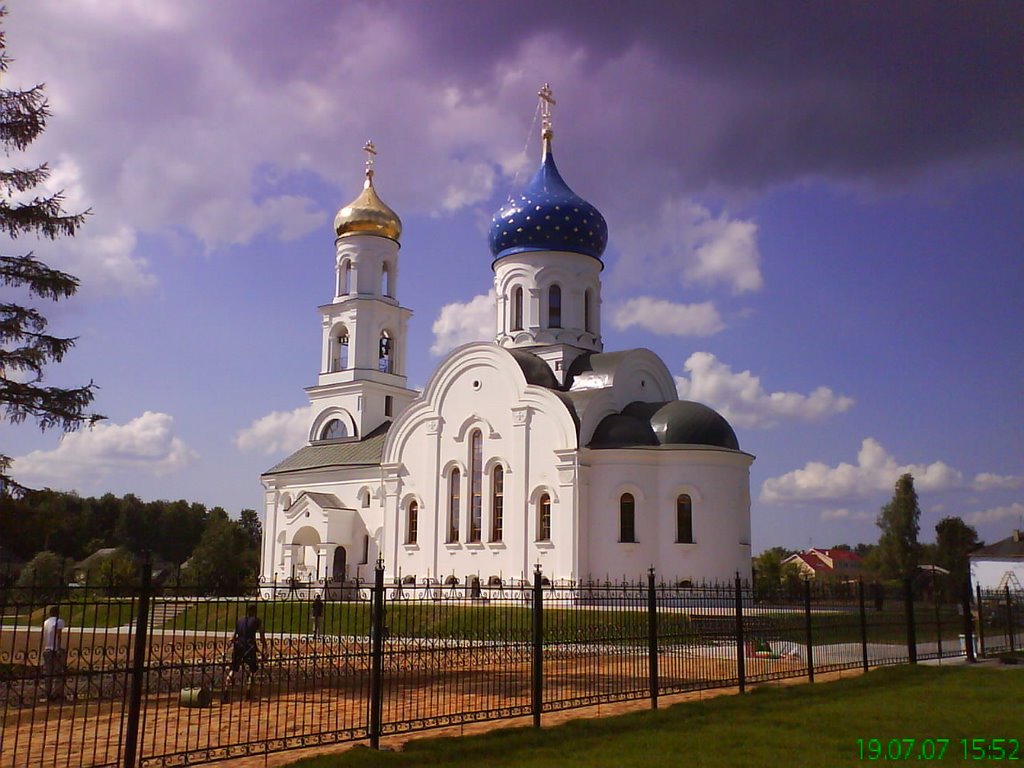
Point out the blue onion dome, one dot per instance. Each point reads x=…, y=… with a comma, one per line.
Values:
x=548, y=216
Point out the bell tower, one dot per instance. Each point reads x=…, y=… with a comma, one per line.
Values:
x=362, y=381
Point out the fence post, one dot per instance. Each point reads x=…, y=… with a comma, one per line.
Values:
x=377, y=654
x=863, y=625
x=908, y=602
x=652, y=637
x=741, y=646
x=1009, y=619
x=807, y=625
x=981, y=619
x=538, y=646
x=968, y=621
x=938, y=614
x=138, y=664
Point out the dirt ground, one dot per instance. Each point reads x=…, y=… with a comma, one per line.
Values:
x=69, y=733
x=398, y=741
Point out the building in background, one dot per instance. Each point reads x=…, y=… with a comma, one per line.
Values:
x=999, y=565
x=538, y=447
x=837, y=564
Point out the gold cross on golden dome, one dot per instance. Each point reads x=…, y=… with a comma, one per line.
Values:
x=547, y=99
x=370, y=151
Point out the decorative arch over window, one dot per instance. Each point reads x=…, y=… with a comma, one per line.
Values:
x=684, y=519
x=517, y=309
x=544, y=517
x=476, y=485
x=627, y=518
x=385, y=353
x=497, y=502
x=587, y=323
x=555, y=306
x=335, y=429
x=412, y=519
x=454, y=502
x=286, y=501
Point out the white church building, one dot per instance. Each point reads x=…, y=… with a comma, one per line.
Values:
x=538, y=447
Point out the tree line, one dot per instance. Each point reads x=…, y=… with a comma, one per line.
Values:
x=897, y=555
x=48, y=532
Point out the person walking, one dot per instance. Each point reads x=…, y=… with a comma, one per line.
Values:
x=316, y=612
x=243, y=648
x=54, y=655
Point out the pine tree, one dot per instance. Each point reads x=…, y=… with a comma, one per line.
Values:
x=898, y=549
x=25, y=346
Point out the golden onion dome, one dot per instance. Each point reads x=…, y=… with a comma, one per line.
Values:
x=368, y=214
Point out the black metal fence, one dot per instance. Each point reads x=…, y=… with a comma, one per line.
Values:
x=142, y=676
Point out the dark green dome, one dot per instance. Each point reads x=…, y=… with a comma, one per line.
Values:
x=679, y=422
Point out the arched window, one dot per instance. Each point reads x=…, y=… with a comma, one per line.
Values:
x=517, y=309
x=454, y=481
x=412, y=515
x=384, y=355
x=586, y=311
x=341, y=360
x=554, y=307
x=627, y=518
x=544, y=518
x=364, y=498
x=346, y=279
x=476, y=483
x=497, y=501
x=385, y=280
x=684, y=519
x=334, y=430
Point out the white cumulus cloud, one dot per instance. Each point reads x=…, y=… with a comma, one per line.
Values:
x=276, y=432
x=685, y=242
x=1013, y=511
x=144, y=445
x=460, y=323
x=743, y=400
x=989, y=481
x=668, y=318
x=875, y=471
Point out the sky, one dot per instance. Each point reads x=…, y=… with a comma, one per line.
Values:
x=815, y=212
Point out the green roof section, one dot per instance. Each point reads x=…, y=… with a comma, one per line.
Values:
x=337, y=453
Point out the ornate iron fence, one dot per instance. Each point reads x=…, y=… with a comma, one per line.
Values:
x=143, y=678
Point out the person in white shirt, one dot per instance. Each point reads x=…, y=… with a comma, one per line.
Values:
x=54, y=655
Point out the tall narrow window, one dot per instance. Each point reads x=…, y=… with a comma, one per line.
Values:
x=684, y=520
x=389, y=405
x=476, y=482
x=346, y=278
x=385, y=281
x=454, y=481
x=517, y=308
x=627, y=518
x=366, y=549
x=497, y=501
x=341, y=361
x=586, y=311
x=384, y=355
x=555, y=307
x=544, y=518
x=412, y=522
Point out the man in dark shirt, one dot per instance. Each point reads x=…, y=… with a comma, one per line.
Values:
x=243, y=647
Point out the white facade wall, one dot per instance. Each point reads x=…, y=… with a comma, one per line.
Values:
x=989, y=573
x=718, y=483
x=479, y=387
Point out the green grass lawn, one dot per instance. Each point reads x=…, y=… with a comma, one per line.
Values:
x=811, y=725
